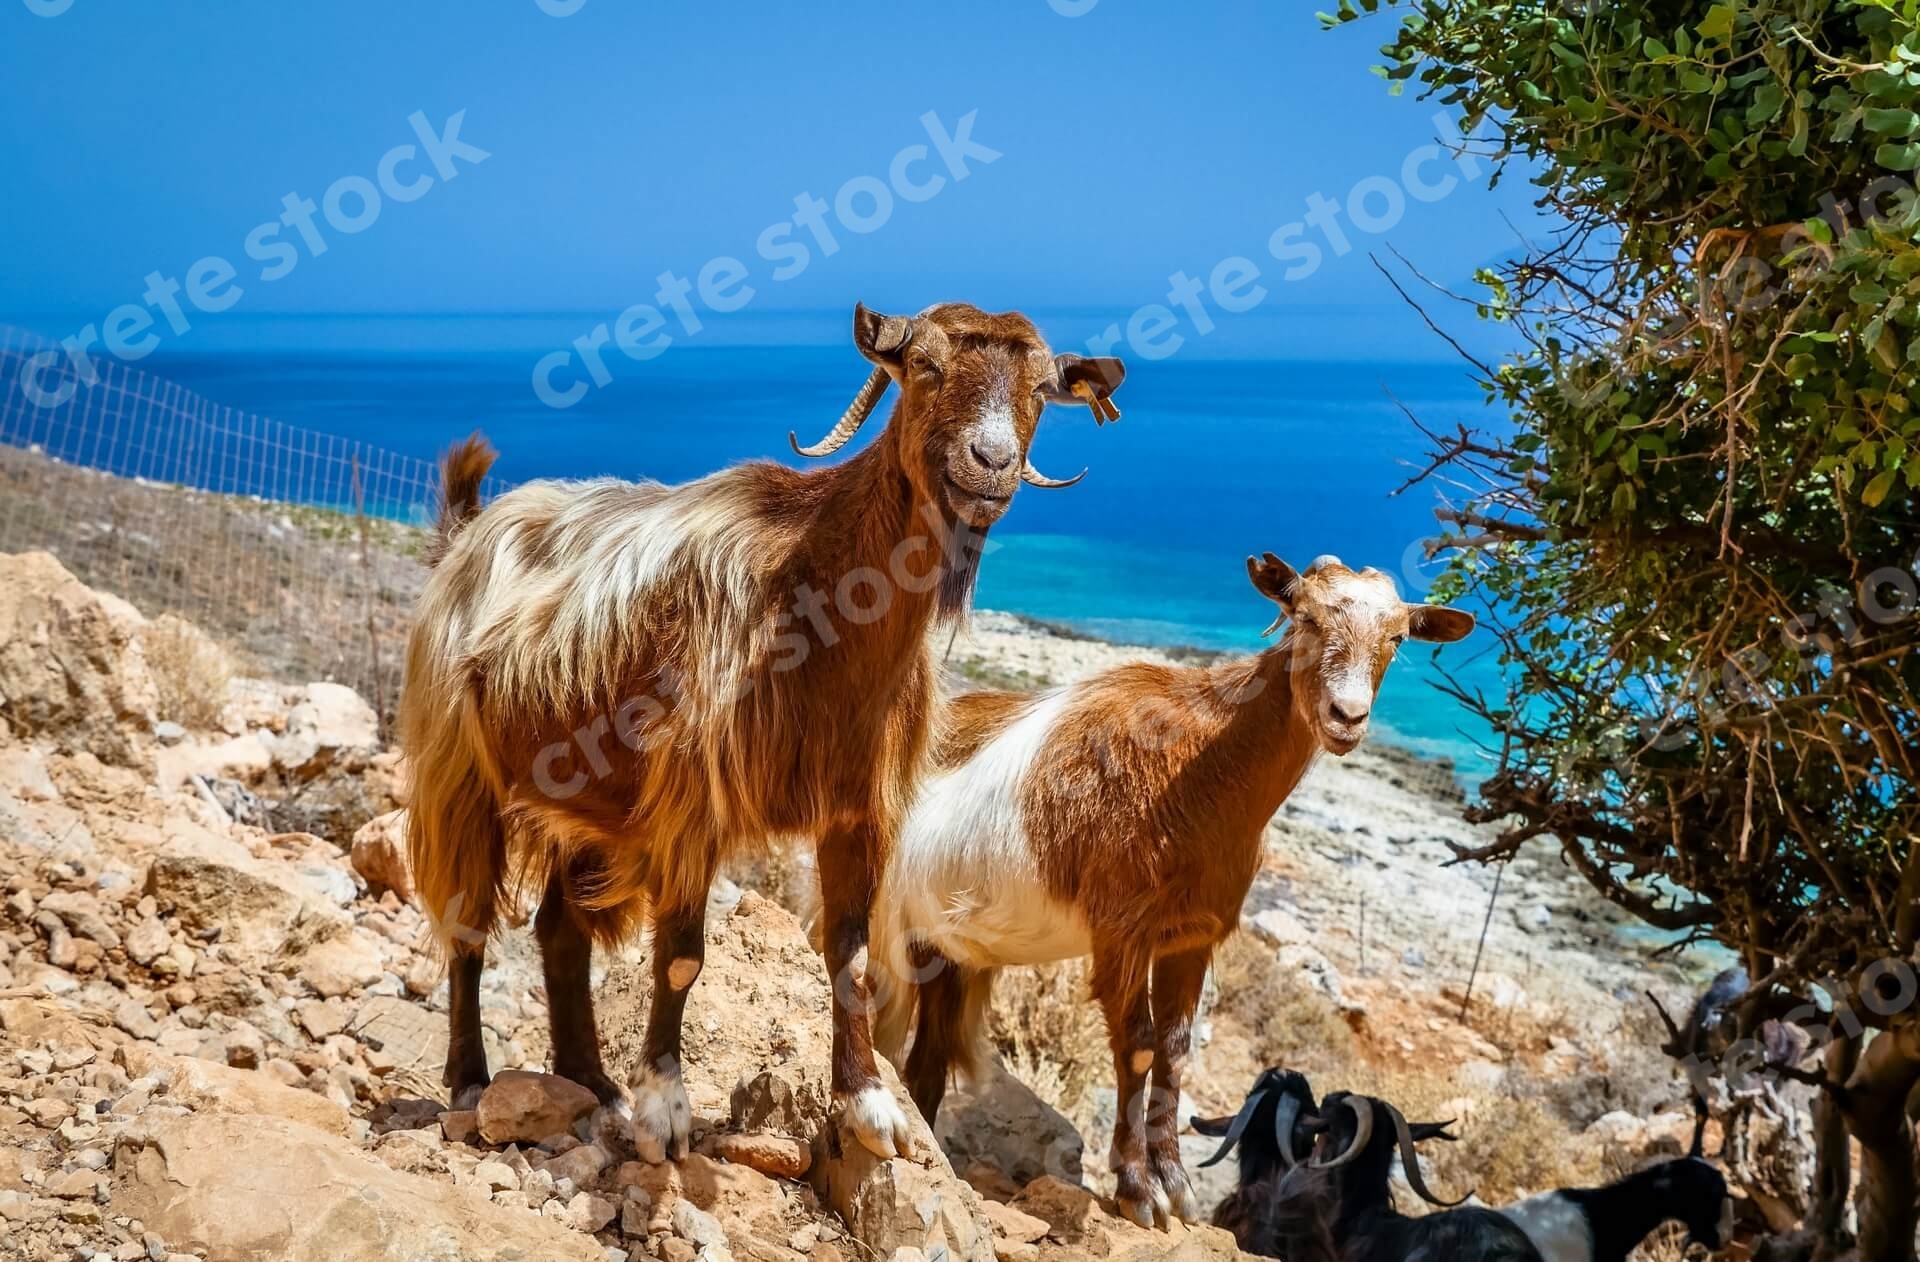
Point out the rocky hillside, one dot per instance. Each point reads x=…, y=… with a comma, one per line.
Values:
x=221, y=1023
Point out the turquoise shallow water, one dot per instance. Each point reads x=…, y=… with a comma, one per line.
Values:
x=1212, y=460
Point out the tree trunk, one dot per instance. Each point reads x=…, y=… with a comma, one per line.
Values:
x=1875, y=1108
x=1833, y=1156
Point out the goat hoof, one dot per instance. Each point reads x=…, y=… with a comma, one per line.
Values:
x=468, y=1097
x=878, y=1123
x=662, y=1120
x=1142, y=1199
x=1136, y=1209
x=1178, y=1192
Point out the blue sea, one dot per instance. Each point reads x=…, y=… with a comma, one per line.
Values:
x=1214, y=458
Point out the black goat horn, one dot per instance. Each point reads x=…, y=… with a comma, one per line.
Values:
x=1235, y=1131
x=1283, y=1119
x=1363, y=1116
x=1410, y=1163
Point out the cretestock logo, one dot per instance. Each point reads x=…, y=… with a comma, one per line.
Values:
x=47, y=8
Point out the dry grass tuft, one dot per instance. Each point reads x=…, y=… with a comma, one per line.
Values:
x=191, y=673
x=1051, y=1036
x=1285, y=1019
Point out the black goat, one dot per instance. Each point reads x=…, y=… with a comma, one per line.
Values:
x=1273, y=1129
x=1337, y=1207
x=1701, y=1047
x=1606, y=1224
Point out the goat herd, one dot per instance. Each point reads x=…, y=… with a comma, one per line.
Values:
x=613, y=688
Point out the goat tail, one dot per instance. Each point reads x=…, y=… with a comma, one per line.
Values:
x=462, y=471
x=973, y=1051
x=894, y=980
x=457, y=839
x=923, y=996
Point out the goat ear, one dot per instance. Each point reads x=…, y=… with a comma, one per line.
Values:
x=1430, y=1130
x=1438, y=624
x=1078, y=379
x=1277, y=581
x=1211, y=1127
x=881, y=338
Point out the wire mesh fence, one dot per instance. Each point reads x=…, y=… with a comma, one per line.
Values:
x=300, y=549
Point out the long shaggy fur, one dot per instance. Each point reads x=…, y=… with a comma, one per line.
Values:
x=605, y=607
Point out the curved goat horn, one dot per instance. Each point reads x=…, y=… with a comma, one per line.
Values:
x=1363, y=1115
x=850, y=421
x=1410, y=1164
x=1283, y=1119
x=1033, y=477
x=1236, y=1130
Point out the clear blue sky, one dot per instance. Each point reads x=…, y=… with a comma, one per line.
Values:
x=1142, y=138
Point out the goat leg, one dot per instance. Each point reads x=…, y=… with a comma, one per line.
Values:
x=1120, y=984
x=850, y=855
x=937, y=1033
x=566, y=953
x=662, y=1117
x=466, y=1076
x=1177, y=981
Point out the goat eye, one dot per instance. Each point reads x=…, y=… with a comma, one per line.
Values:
x=921, y=362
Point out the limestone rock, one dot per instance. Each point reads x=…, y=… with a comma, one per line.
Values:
x=1080, y=1226
x=259, y=905
x=776, y=1155
x=342, y=965
x=209, y=1088
x=330, y=724
x=380, y=854
x=520, y=1107
x=310, y=1195
x=71, y=664
x=1000, y=1122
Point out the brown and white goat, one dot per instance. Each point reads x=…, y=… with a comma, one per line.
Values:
x=612, y=687
x=1121, y=817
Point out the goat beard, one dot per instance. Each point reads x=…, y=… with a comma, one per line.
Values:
x=959, y=568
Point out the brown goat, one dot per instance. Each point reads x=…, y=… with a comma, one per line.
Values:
x=1121, y=817
x=754, y=643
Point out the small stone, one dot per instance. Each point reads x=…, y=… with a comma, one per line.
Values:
x=531, y=1108
x=75, y=1186
x=674, y=1249
x=582, y=1164
x=321, y=1020
x=285, y=1072
x=774, y=1155
x=136, y=1020
x=701, y=1229
x=81, y=914
x=380, y=854
x=167, y=732
x=147, y=942
x=341, y=966
x=497, y=1176
x=48, y=1112
x=460, y=1126
x=589, y=1213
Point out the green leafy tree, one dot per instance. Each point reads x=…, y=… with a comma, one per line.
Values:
x=1701, y=530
